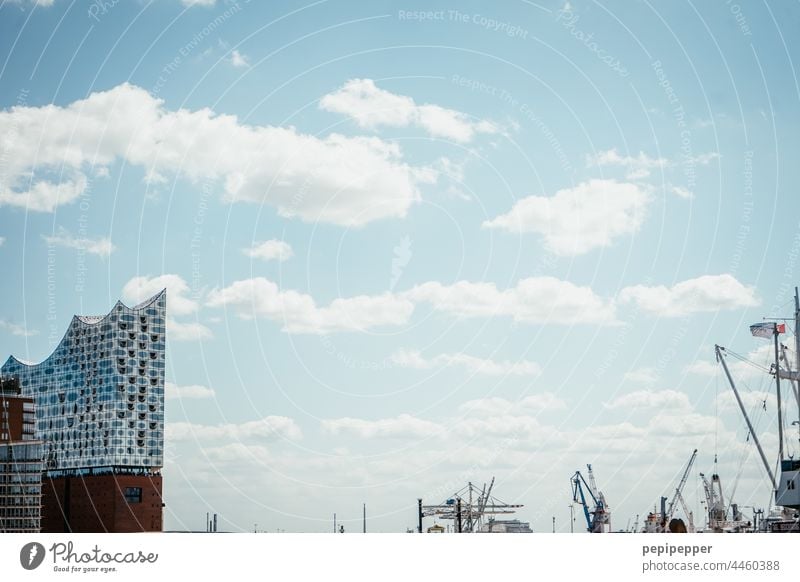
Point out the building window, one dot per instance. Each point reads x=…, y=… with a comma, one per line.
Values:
x=133, y=494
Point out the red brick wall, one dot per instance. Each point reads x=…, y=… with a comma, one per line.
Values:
x=96, y=504
x=13, y=425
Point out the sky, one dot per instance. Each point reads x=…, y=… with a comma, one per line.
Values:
x=409, y=245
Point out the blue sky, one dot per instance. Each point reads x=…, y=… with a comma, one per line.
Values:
x=409, y=245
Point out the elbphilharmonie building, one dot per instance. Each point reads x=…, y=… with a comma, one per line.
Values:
x=100, y=414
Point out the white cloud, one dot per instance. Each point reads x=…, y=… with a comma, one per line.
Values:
x=638, y=166
x=641, y=376
x=186, y=331
x=703, y=159
x=193, y=391
x=647, y=399
x=532, y=300
x=270, y=250
x=372, y=107
x=143, y=287
x=576, y=220
x=40, y=196
x=300, y=314
x=348, y=181
x=706, y=293
x=536, y=300
x=268, y=428
x=473, y=365
x=758, y=359
x=752, y=400
x=17, y=329
x=101, y=247
x=682, y=192
x=239, y=60
x=2, y=240
x=403, y=426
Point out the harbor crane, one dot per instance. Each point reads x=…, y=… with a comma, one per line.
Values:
x=598, y=519
x=678, y=496
x=468, y=508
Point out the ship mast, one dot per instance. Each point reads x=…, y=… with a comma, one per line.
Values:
x=778, y=391
x=796, y=353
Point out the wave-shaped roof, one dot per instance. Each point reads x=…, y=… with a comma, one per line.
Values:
x=91, y=320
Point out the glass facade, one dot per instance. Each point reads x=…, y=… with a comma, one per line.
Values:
x=100, y=394
x=20, y=486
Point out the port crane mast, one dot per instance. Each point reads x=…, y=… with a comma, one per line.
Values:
x=678, y=496
x=598, y=519
x=468, y=508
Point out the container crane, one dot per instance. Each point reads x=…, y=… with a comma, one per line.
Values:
x=598, y=519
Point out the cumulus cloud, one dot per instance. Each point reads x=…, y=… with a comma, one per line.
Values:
x=179, y=303
x=41, y=195
x=270, y=250
x=101, y=247
x=535, y=300
x=268, y=428
x=372, y=107
x=757, y=360
x=403, y=426
x=577, y=220
x=682, y=192
x=192, y=391
x=239, y=60
x=143, y=287
x=752, y=400
x=17, y=329
x=648, y=399
x=532, y=300
x=299, y=313
x=638, y=167
x=187, y=331
x=336, y=179
x=703, y=294
x=472, y=364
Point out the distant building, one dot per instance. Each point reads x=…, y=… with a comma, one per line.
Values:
x=100, y=414
x=505, y=526
x=20, y=462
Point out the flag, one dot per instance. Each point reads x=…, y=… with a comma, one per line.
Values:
x=767, y=330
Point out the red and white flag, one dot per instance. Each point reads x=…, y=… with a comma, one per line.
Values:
x=767, y=330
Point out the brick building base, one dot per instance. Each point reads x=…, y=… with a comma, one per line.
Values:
x=102, y=503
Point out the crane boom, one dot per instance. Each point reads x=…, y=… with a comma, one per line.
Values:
x=597, y=519
x=689, y=514
x=679, y=488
